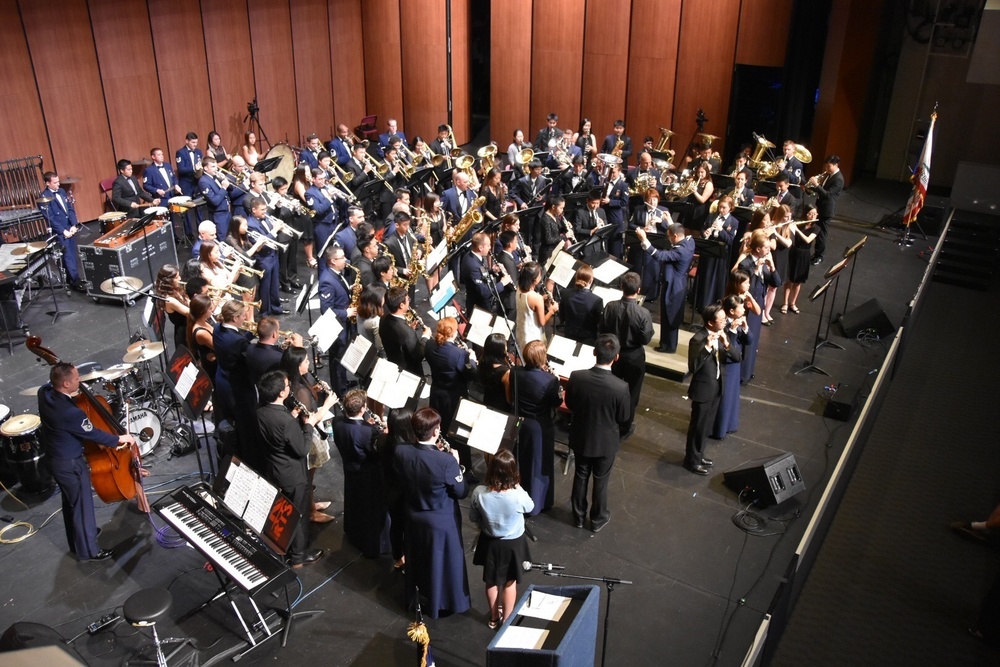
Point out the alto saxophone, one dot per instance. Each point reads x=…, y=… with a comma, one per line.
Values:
x=356, y=289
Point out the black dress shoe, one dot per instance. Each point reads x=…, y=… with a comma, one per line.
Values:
x=79, y=286
x=816, y=261
x=708, y=462
x=285, y=289
x=308, y=557
x=665, y=350
x=295, y=284
x=283, y=300
x=281, y=311
x=698, y=469
x=578, y=523
x=104, y=554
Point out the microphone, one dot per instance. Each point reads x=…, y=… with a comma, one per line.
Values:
x=528, y=566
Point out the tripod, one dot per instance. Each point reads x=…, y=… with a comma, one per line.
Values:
x=253, y=122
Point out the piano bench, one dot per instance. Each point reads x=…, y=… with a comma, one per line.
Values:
x=147, y=606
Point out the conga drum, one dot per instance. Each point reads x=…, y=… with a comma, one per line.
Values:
x=110, y=220
x=7, y=475
x=23, y=450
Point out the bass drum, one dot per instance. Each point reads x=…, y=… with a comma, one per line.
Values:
x=145, y=426
x=286, y=167
x=8, y=476
x=23, y=449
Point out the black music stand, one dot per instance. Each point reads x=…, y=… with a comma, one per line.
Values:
x=269, y=164
x=811, y=366
x=833, y=272
x=194, y=399
x=723, y=182
x=848, y=253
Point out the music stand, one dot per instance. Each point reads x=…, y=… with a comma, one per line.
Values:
x=848, y=253
x=766, y=189
x=833, y=272
x=509, y=175
x=269, y=164
x=661, y=155
x=193, y=386
x=816, y=293
x=723, y=182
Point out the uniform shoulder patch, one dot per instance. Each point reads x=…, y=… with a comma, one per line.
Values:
x=459, y=478
x=309, y=201
x=86, y=425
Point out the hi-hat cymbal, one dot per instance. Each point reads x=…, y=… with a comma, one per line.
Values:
x=121, y=285
x=30, y=391
x=71, y=180
x=139, y=343
x=35, y=246
x=118, y=370
x=91, y=376
x=150, y=351
x=43, y=200
x=707, y=138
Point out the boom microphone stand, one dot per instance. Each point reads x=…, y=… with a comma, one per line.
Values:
x=609, y=583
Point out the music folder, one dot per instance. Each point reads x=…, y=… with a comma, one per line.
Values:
x=483, y=428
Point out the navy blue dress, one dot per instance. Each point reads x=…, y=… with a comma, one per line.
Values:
x=366, y=519
x=714, y=271
x=727, y=419
x=435, y=553
x=536, y=393
x=758, y=288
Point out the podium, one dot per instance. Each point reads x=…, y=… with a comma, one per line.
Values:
x=572, y=640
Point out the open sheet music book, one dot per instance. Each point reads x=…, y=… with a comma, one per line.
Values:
x=392, y=387
x=567, y=355
x=481, y=427
x=482, y=323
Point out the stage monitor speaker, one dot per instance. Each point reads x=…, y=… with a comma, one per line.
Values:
x=869, y=315
x=768, y=481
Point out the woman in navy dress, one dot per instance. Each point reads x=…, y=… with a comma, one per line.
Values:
x=432, y=486
x=400, y=433
x=366, y=519
x=451, y=369
x=759, y=270
x=713, y=271
x=536, y=392
x=727, y=419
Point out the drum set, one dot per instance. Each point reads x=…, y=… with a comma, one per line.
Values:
x=129, y=383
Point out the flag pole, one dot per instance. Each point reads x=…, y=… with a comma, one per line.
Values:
x=920, y=180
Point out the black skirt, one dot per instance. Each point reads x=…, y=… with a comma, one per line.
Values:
x=501, y=559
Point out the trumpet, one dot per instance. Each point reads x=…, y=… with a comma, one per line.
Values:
x=282, y=226
x=232, y=288
x=293, y=204
x=268, y=241
x=249, y=270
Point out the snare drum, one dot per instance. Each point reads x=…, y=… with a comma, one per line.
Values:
x=145, y=426
x=179, y=204
x=23, y=450
x=7, y=474
x=110, y=221
x=123, y=381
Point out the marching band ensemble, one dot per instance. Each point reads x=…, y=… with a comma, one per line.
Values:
x=369, y=213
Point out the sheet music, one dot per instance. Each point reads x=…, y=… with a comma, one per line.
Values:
x=545, y=606
x=609, y=271
x=562, y=276
x=7, y=258
x=186, y=381
x=503, y=327
x=249, y=496
x=522, y=638
x=468, y=412
x=488, y=431
x=326, y=330
x=607, y=294
x=147, y=311
x=355, y=354
x=480, y=326
x=437, y=256
x=561, y=348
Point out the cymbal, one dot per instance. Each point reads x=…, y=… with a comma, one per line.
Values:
x=118, y=370
x=23, y=250
x=121, y=285
x=91, y=376
x=43, y=200
x=144, y=162
x=35, y=246
x=150, y=351
x=69, y=180
x=707, y=138
x=139, y=343
x=30, y=391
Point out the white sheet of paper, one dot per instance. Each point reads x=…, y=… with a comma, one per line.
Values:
x=607, y=294
x=608, y=271
x=443, y=293
x=385, y=371
x=326, y=330
x=468, y=412
x=561, y=348
x=503, y=327
x=522, y=638
x=147, y=311
x=562, y=276
x=488, y=431
x=437, y=256
x=544, y=606
x=408, y=383
x=477, y=333
x=186, y=380
x=355, y=354
x=480, y=317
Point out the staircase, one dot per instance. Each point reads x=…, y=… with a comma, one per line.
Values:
x=970, y=252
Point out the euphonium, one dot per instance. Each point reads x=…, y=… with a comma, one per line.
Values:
x=471, y=217
x=487, y=157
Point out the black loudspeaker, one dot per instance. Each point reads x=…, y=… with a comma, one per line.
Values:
x=768, y=481
x=869, y=315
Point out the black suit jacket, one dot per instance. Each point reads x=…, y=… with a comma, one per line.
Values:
x=609, y=146
x=601, y=406
x=704, y=367
x=123, y=197
x=580, y=312
x=827, y=194
x=286, y=444
x=261, y=359
x=395, y=247
x=403, y=346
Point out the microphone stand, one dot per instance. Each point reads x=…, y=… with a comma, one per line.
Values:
x=609, y=583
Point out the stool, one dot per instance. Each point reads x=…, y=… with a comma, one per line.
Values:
x=144, y=609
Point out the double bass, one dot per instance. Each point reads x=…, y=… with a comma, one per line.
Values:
x=115, y=474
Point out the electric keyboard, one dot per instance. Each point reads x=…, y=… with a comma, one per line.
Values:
x=224, y=540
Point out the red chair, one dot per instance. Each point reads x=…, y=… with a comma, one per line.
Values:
x=106, y=185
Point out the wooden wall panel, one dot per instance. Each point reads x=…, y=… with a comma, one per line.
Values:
x=128, y=70
x=605, y=65
x=230, y=66
x=556, y=62
x=69, y=85
x=383, y=67
x=424, y=54
x=705, y=79
x=313, y=90
x=510, y=70
x=349, y=59
x=460, y=82
x=652, y=67
x=763, y=32
x=19, y=94
x=274, y=70
x=179, y=45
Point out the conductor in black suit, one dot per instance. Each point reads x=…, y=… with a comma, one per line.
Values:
x=705, y=350
x=403, y=346
x=601, y=408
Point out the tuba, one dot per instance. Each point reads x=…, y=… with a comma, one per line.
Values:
x=487, y=157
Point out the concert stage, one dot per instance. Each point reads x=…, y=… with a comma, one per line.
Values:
x=672, y=533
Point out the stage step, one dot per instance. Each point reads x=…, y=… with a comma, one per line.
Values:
x=671, y=366
x=969, y=255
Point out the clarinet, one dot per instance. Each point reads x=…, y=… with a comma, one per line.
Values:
x=561, y=390
x=569, y=229
x=374, y=419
